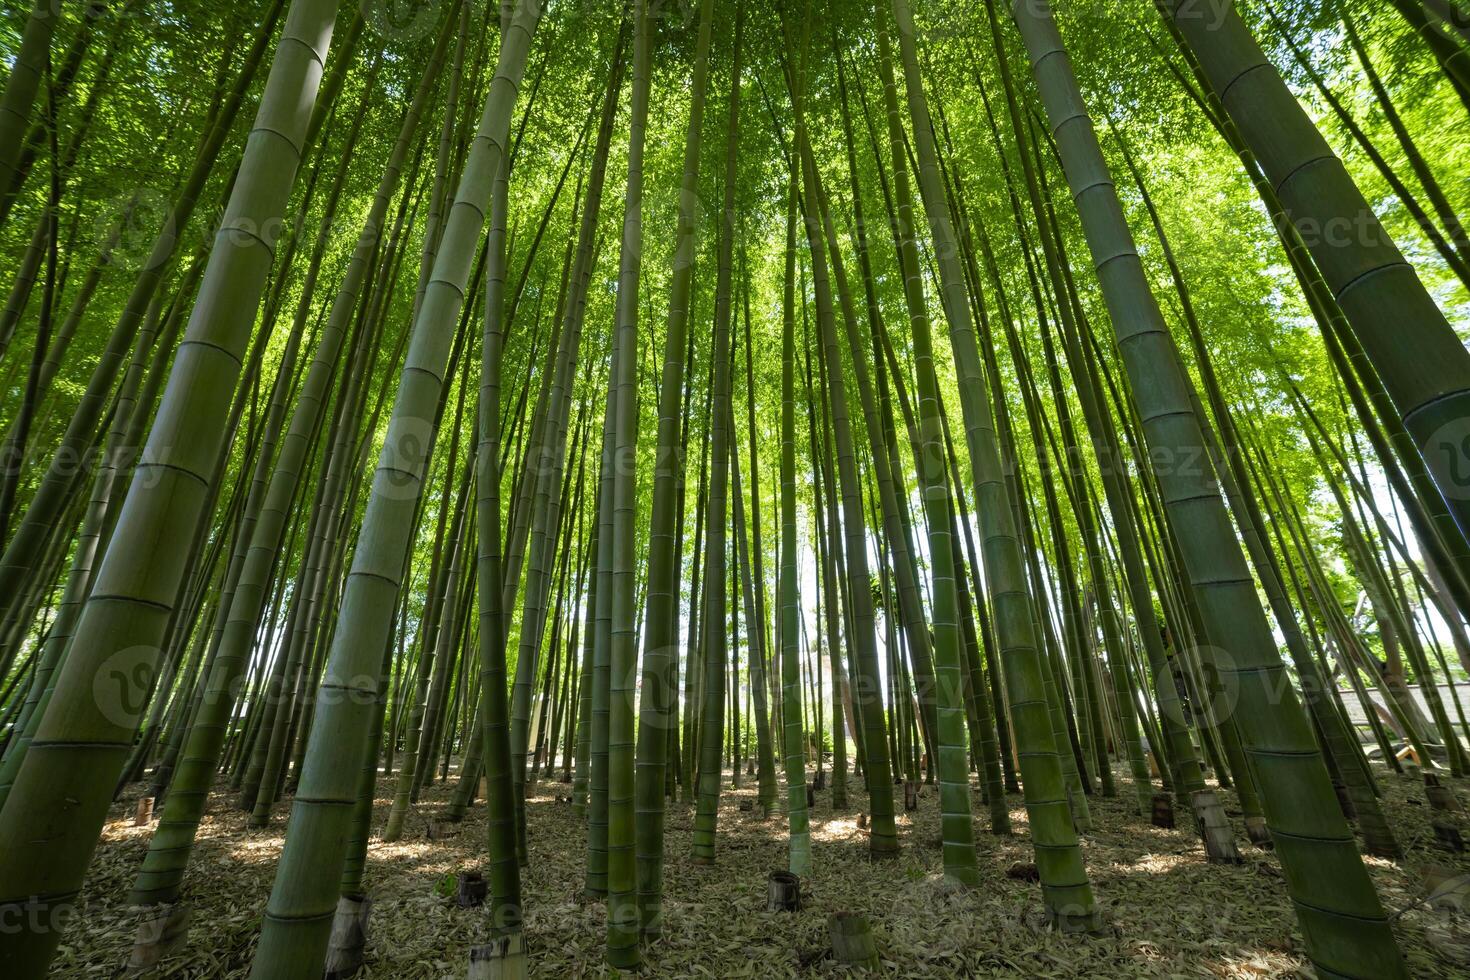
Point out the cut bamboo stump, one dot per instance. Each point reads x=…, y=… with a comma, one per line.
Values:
x=1214, y=828
x=910, y=795
x=1447, y=836
x=349, y=937
x=1259, y=833
x=1440, y=796
x=1023, y=871
x=484, y=788
x=1163, y=812
x=439, y=828
x=852, y=940
x=470, y=890
x=159, y=934
x=143, y=815
x=503, y=958
x=783, y=892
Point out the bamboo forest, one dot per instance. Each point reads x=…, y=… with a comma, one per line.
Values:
x=734, y=488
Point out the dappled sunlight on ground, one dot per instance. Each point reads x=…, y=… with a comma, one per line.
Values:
x=1169, y=912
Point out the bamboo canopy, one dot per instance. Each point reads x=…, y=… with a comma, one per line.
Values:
x=543, y=486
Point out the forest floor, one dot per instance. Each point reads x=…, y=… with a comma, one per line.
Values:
x=1169, y=912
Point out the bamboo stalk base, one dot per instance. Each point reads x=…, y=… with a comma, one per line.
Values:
x=161, y=930
x=1379, y=841
x=1259, y=833
x=783, y=892
x=1081, y=818
x=471, y=890
x=349, y=937
x=1447, y=836
x=852, y=940
x=1345, y=802
x=1076, y=921
x=1440, y=796
x=503, y=958
x=1214, y=828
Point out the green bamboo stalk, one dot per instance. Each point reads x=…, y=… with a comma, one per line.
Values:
x=883, y=837
x=712, y=716
x=162, y=873
x=799, y=848
x=32, y=60
x=1347, y=929
x=55, y=487
x=298, y=915
x=661, y=611
x=1064, y=881
x=83, y=741
x=622, y=906
x=1424, y=367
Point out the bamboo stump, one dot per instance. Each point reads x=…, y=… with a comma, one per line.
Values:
x=439, y=828
x=470, y=890
x=143, y=815
x=503, y=958
x=852, y=940
x=1447, y=836
x=159, y=934
x=1440, y=796
x=1023, y=871
x=1163, y=812
x=910, y=795
x=349, y=937
x=1259, y=833
x=1214, y=828
x=783, y=892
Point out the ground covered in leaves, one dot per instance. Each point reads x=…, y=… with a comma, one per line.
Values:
x=1170, y=913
